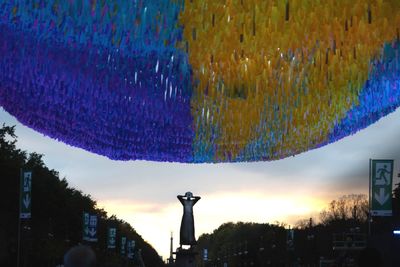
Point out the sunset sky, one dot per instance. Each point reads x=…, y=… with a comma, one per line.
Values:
x=144, y=193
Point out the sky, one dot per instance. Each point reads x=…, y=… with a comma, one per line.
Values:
x=144, y=193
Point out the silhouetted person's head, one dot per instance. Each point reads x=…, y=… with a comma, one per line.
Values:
x=80, y=256
x=370, y=257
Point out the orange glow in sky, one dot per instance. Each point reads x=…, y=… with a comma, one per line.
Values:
x=144, y=193
x=155, y=224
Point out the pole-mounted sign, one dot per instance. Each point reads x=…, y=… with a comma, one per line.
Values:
x=130, y=248
x=89, y=227
x=205, y=254
x=290, y=239
x=123, y=245
x=25, y=195
x=381, y=180
x=112, y=238
x=25, y=204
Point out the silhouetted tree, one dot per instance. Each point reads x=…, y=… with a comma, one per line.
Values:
x=348, y=207
x=57, y=209
x=266, y=244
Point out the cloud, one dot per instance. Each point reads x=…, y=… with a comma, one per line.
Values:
x=128, y=206
x=144, y=193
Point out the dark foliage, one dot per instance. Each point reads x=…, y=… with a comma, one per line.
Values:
x=255, y=244
x=56, y=223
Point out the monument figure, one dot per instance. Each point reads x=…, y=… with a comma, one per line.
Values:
x=187, y=236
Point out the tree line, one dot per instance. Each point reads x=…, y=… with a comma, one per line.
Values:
x=57, y=208
x=344, y=221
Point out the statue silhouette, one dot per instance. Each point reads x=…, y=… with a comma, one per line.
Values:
x=187, y=225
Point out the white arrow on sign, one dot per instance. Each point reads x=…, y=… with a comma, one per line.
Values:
x=92, y=232
x=382, y=197
x=26, y=201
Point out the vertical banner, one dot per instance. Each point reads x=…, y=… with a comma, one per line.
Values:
x=290, y=239
x=130, y=248
x=205, y=254
x=381, y=179
x=85, y=228
x=25, y=195
x=89, y=227
x=123, y=245
x=112, y=238
x=93, y=228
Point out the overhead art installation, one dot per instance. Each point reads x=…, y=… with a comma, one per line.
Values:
x=199, y=80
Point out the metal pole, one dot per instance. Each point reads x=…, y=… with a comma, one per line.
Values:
x=369, y=199
x=19, y=223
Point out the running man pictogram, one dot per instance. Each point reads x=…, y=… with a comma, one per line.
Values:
x=381, y=177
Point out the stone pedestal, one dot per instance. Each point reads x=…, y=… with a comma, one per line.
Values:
x=185, y=258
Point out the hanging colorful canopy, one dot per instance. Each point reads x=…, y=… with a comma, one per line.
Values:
x=199, y=80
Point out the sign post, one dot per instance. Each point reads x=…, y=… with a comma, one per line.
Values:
x=381, y=180
x=25, y=195
x=85, y=227
x=112, y=238
x=205, y=254
x=123, y=245
x=290, y=239
x=25, y=203
x=89, y=227
x=130, y=248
